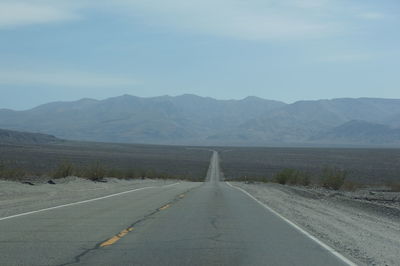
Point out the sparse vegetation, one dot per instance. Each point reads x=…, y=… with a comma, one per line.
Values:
x=363, y=166
x=394, y=187
x=284, y=176
x=65, y=169
x=351, y=185
x=10, y=173
x=333, y=178
x=98, y=160
x=304, y=180
x=95, y=172
x=292, y=177
x=249, y=179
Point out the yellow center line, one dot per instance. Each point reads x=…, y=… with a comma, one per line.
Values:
x=164, y=207
x=117, y=237
x=123, y=233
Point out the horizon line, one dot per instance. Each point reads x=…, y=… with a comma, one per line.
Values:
x=196, y=95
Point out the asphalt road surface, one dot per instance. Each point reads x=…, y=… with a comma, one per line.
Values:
x=210, y=223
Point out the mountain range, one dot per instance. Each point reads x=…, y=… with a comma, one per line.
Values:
x=16, y=137
x=194, y=120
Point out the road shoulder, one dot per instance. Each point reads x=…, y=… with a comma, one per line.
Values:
x=351, y=228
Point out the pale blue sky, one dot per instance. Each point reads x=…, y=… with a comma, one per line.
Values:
x=285, y=50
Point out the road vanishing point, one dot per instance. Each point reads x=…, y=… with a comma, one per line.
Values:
x=187, y=223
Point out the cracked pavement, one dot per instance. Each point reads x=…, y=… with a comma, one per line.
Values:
x=206, y=223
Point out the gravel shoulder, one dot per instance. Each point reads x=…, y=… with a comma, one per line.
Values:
x=362, y=225
x=17, y=197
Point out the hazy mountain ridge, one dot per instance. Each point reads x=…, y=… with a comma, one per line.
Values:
x=16, y=137
x=360, y=132
x=191, y=119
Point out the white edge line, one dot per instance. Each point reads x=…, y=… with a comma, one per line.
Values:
x=81, y=202
x=328, y=248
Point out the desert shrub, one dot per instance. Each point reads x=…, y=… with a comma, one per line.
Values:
x=65, y=169
x=283, y=176
x=292, y=177
x=395, y=187
x=141, y=173
x=10, y=173
x=95, y=172
x=132, y=173
x=249, y=179
x=113, y=172
x=2, y=169
x=304, y=180
x=351, y=186
x=118, y=173
x=150, y=174
x=194, y=179
x=262, y=179
x=333, y=178
x=168, y=176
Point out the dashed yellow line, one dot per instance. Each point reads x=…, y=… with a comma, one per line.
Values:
x=116, y=238
x=123, y=233
x=165, y=207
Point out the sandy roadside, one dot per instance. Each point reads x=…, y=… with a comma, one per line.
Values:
x=16, y=197
x=365, y=229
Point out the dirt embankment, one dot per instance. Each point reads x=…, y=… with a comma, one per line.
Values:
x=362, y=225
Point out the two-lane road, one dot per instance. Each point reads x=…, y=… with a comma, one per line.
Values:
x=185, y=224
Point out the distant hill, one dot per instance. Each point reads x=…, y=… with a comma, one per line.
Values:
x=360, y=132
x=190, y=119
x=301, y=121
x=16, y=137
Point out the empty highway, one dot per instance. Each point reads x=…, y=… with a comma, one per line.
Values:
x=210, y=223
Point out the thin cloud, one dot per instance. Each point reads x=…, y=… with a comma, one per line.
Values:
x=238, y=19
x=372, y=15
x=346, y=58
x=359, y=56
x=250, y=20
x=17, y=13
x=64, y=79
